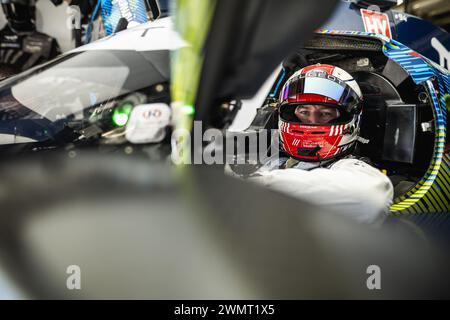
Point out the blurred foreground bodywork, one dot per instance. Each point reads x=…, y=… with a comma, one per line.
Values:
x=146, y=231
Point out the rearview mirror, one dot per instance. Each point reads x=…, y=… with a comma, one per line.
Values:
x=153, y=8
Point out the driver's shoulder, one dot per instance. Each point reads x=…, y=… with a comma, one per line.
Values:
x=355, y=163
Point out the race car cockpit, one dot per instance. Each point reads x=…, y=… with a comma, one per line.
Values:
x=397, y=125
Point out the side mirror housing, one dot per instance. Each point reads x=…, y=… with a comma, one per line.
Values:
x=153, y=8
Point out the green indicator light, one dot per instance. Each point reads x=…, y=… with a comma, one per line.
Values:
x=121, y=114
x=120, y=119
x=189, y=110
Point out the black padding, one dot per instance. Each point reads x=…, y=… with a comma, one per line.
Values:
x=400, y=133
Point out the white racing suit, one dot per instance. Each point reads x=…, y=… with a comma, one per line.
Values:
x=349, y=186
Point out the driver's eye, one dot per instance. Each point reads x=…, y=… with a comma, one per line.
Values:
x=305, y=113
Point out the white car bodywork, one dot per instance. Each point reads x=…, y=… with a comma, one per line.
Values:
x=150, y=36
x=160, y=35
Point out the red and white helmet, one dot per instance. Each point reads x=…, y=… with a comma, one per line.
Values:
x=316, y=86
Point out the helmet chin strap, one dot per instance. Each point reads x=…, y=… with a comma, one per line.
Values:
x=308, y=152
x=316, y=149
x=319, y=158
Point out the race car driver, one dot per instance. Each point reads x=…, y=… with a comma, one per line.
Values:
x=319, y=120
x=21, y=46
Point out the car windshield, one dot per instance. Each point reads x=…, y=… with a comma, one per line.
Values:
x=76, y=89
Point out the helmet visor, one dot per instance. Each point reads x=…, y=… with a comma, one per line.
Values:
x=320, y=84
x=314, y=113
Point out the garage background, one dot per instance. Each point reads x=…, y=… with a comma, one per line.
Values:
x=437, y=11
x=52, y=20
